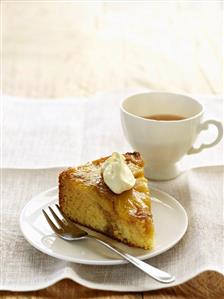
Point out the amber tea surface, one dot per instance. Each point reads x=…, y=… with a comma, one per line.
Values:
x=166, y=117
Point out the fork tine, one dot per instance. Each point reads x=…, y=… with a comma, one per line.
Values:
x=63, y=214
x=54, y=228
x=57, y=219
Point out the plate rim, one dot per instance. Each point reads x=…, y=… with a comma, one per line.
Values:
x=107, y=262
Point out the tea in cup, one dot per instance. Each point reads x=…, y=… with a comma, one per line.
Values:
x=163, y=127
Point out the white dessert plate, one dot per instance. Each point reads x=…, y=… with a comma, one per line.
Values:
x=170, y=220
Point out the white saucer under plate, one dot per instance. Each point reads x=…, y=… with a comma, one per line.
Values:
x=169, y=216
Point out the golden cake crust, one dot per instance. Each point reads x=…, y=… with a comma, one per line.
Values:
x=132, y=207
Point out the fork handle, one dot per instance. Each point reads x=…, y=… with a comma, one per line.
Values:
x=153, y=272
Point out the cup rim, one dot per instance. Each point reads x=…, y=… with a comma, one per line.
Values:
x=162, y=121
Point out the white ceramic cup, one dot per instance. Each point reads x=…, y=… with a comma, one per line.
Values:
x=163, y=143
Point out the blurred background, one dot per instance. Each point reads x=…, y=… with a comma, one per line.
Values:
x=63, y=49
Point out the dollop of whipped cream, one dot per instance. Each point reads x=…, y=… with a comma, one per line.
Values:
x=117, y=175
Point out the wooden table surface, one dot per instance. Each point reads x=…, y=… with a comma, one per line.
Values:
x=57, y=49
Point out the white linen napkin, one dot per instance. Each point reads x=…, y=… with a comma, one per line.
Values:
x=49, y=133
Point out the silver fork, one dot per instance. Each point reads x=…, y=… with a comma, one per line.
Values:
x=68, y=231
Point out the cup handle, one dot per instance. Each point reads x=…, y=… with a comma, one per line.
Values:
x=204, y=126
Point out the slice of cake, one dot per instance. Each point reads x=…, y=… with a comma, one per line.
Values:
x=86, y=199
